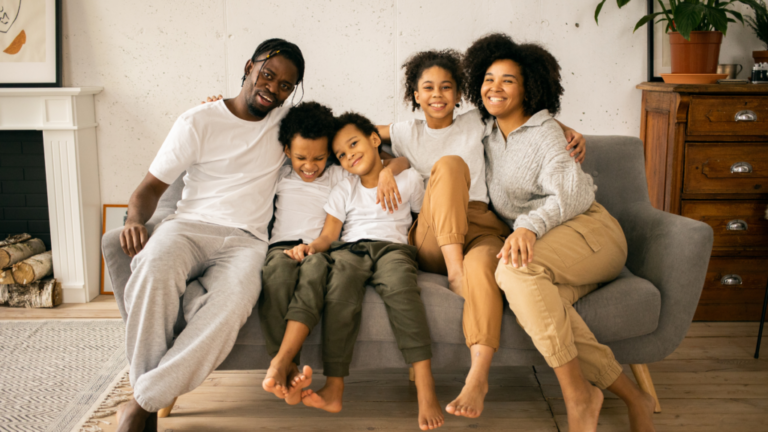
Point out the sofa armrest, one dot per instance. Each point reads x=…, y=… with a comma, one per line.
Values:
x=672, y=252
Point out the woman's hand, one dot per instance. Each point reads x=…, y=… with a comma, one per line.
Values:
x=519, y=245
x=300, y=251
x=387, y=192
x=212, y=99
x=576, y=143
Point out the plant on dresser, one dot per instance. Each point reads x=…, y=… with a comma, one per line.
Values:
x=706, y=152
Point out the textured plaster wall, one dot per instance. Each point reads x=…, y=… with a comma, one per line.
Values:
x=155, y=59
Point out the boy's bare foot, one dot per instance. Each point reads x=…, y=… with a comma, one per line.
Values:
x=584, y=411
x=430, y=413
x=641, y=414
x=131, y=417
x=469, y=403
x=276, y=381
x=298, y=381
x=327, y=398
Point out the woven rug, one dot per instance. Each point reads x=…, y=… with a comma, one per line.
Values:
x=53, y=372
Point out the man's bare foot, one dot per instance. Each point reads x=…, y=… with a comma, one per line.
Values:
x=327, y=398
x=276, y=381
x=131, y=417
x=641, y=414
x=430, y=413
x=584, y=411
x=469, y=403
x=298, y=381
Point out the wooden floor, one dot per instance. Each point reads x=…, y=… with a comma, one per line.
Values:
x=103, y=306
x=710, y=383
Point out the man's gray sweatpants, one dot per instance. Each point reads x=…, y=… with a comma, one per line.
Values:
x=224, y=267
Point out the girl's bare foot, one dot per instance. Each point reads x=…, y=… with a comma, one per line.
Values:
x=641, y=414
x=469, y=403
x=297, y=382
x=584, y=410
x=131, y=417
x=430, y=413
x=327, y=398
x=277, y=377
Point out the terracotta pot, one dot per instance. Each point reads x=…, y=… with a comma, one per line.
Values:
x=698, y=55
x=760, y=56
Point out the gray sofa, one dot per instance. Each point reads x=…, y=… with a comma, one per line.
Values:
x=643, y=315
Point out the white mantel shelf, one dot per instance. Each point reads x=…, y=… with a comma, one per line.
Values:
x=68, y=121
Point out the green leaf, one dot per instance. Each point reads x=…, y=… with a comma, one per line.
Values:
x=622, y=3
x=736, y=15
x=687, y=18
x=717, y=18
x=645, y=19
x=598, y=9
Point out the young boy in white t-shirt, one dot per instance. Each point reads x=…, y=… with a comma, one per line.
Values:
x=373, y=250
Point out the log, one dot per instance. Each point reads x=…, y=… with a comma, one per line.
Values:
x=6, y=277
x=14, y=253
x=46, y=293
x=33, y=269
x=13, y=239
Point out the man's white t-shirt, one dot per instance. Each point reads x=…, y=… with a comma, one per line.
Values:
x=232, y=166
x=299, y=212
x=355, y=206
x=423, y=146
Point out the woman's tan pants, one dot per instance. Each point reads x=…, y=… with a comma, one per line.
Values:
x=568, y=263
x=447, y=217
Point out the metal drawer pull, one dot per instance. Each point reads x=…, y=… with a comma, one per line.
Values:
x=741, y=167
x=733, y=279
x=745, y=116
x=736, y=225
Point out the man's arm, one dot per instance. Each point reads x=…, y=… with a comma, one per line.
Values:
x=384, y=133
x=141, y=207
x=576, y=142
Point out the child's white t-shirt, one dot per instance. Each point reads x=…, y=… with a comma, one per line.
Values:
x=299, y=213
x=423, y=146
x=355, y=206
x=232, y=166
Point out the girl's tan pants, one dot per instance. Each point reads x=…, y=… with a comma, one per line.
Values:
x=568, y=263
x=447, y=217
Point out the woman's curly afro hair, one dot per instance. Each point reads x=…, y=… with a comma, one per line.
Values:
x=540, y=70
x=449, y=60
x=310, y=120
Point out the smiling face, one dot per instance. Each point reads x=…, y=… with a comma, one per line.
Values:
x=308, y=156
x=268, y=84
x=356, y=151
x=437, y=94
x=502, y=91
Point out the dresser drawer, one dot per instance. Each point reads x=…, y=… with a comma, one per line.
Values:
x=728, y=115
x=733, y=289
x=732, y=168
x=738, y=225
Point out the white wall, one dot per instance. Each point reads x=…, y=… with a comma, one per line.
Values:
x=155, y=59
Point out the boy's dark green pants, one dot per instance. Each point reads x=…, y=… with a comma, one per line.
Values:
x=389, y=267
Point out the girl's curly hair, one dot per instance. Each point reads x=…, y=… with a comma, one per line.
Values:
x=540, y=70
x=448, y=59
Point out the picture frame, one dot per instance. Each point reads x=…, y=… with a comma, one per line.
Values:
x=30, y=43
x=659, y=61
x=114, y=216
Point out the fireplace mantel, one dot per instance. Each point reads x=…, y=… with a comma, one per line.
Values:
x=68, y=122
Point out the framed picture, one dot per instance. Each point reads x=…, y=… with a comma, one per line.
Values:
x=30, y=43
x=114, y=217
x=659, y=57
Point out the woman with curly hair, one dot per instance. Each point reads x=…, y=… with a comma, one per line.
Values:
x=563, y=243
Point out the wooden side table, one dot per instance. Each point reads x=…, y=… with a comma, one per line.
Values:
x=706, y=155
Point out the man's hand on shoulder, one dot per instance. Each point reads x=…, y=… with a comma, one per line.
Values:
x=212, y=99
x=133, y=238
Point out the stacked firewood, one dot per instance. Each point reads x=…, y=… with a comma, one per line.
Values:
x=25, y=270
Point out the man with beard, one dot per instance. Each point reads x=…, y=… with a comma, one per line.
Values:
x=217, y=239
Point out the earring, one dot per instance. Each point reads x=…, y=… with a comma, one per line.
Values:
x=458, y=105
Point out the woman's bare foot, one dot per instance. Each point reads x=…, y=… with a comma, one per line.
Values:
x=276, y=381
x=469, y=403
x=584, y=410
x=430, y=413
x=131, y=417
x=298, y=381
x=641, y=414
x=327, y=398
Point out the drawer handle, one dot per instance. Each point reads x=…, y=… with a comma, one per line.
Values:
x=733, y=279
x=741, y=168
x=736, y=225
x=745, y=116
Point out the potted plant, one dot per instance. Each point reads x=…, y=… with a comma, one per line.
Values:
x=696, y=29
x=759, y=25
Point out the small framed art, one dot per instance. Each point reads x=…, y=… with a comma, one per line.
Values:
x=30, y=43
x=114, y=217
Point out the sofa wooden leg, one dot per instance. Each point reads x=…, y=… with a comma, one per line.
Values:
x=165, y=412
x=643, y=377
x=411, y=374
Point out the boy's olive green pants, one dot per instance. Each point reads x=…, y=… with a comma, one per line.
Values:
x=389, y=267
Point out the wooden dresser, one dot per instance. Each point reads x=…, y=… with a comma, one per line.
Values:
x=706, y=158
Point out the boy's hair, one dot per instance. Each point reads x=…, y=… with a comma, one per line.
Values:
x=540, y=71
x=282, y=47
x=359, y=121
x=448, y=59
x=309, y=120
